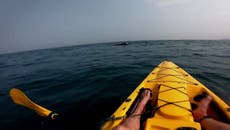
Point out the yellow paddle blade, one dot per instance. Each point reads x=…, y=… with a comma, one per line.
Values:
x=20, y=98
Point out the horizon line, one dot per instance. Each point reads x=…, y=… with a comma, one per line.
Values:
x=115, y=41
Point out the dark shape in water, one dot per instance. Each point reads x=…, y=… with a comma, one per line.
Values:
x=122, y=43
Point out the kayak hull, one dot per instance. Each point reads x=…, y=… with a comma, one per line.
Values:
x=173, y=92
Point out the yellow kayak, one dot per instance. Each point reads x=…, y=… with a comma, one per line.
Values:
x=174, y=95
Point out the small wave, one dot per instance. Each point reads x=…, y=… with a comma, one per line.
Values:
x=216, y=76
x=198, y=54
x=221, y=55
x=2, y=66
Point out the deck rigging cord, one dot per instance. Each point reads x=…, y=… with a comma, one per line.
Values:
x=178, y=76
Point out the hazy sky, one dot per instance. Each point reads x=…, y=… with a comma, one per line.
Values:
x=33, y=24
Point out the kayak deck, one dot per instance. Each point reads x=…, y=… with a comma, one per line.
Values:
x=172, y=101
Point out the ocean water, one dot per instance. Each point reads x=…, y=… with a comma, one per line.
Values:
x=86, y=83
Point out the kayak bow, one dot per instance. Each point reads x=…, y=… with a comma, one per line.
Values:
x=174, y=91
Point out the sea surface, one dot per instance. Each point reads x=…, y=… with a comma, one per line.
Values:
x=86, y=83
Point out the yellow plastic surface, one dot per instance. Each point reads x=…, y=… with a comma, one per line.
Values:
x=170, y=85
x=20, y=98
